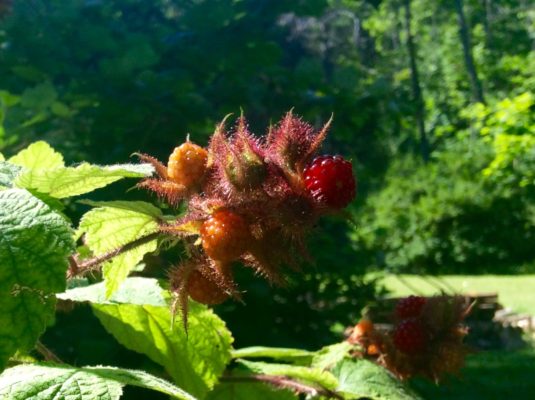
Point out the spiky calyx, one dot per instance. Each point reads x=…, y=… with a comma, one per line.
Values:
x=410, y=307
x=443, y=315
x=225, y=235
x=448, y=359
x=330, y=181
x=168, y=191
x=187, y=164
x=238, y=162
x=292, y=143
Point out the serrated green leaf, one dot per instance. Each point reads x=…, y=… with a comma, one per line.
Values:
x=306, y=374
x=329, y=356
x=34, y=245
x=141, y=379
x=50, y=201
x=249, y=391
x=8, y=173
x=117, y=270
x=73, y=181
x=361, y=378
x=195, y=362
x=35, y=382
x=38, y=155
x=114, y=225
x=138, y=291
x=54, y=382
x=21, y=358
x=276, y=353
x=137, y=206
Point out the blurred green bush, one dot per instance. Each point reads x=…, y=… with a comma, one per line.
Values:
x=471, y=209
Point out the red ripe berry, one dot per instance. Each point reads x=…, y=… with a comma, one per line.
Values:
x=330, y=181
x=225, y=236
x=410, y=336
x=410, y=307
x=187, y=164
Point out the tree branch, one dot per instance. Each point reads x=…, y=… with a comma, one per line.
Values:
x=79, y=268
x=285, y=383
x=47, y=354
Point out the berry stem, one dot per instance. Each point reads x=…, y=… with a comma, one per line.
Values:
x=47, y=354
x=79, y=268
x=285, y=383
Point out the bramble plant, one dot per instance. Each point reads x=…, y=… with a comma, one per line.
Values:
x=244, y=201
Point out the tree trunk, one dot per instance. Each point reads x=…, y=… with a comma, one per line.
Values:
x=488, y=23
x=529, y=23
x=415, y=83
x=475, y=83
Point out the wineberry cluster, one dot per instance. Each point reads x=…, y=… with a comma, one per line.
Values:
x=249, y=199
x=426, y=339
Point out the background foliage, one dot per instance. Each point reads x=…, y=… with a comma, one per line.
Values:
x=444, y=147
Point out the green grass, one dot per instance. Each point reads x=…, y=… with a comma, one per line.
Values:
x=488, y=375
x=514, y=291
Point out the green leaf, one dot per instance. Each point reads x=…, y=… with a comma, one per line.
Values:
x=115, y=224
x=138, y=291
x=61, y=109
x=29, y=73
x=141, y=379
x=329, y=356
x=249, y=391
x=194, y=361
x=34, y=245
x=140, y=207
x=52, y=382
x=38, y=155
x=8, y=172
x=8, y=99
x=39, y=97
x=72, y=181
x=305, y=374
x=117, y=270
x=41, y=382
x=55, y=204
x=297, y=355
x=361, y=378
